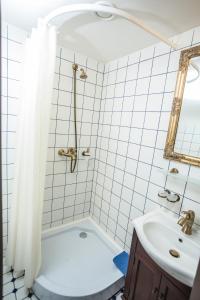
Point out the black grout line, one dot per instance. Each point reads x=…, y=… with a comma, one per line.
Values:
x=95, y=152
x=88, y=161
x=101, y=140
x=99, y=119
x=7, y=186
x=126, y=163
x=120, y=196
x=156, y=56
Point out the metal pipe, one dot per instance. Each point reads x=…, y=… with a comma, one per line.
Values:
x=73, y=166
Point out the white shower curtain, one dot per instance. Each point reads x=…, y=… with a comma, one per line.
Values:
x=24, y=238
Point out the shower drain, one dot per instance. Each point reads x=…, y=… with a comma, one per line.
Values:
x=83, y=235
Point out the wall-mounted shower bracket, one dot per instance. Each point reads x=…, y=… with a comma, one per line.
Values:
x=83, y=74
x=75, y=67
x=86, y=152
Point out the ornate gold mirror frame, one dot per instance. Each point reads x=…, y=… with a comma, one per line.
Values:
x=169, y=152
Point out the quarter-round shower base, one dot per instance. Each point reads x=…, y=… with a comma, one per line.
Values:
x=78, y=264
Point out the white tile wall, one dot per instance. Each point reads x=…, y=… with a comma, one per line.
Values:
x=137, y=97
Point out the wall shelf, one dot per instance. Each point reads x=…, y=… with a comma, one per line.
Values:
x=180, y=177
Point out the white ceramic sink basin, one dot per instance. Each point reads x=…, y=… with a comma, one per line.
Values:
x=158, y=233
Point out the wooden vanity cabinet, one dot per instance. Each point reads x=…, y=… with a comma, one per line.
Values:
x=145, y=280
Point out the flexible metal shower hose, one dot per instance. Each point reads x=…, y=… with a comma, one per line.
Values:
x=74, y=161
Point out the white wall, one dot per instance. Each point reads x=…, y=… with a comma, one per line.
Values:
x=135, y=108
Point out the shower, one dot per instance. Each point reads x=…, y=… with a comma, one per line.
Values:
x=71, y=152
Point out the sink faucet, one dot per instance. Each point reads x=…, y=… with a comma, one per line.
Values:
x=187, y=221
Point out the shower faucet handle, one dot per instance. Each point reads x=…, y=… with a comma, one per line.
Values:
x=70, y=152
x=86, y=152
x=61, y=152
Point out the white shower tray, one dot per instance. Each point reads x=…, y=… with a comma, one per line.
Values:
x=75, y=267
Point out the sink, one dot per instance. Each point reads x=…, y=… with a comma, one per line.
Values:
x=163, y=240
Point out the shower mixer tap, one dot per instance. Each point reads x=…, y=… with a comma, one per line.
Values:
x=71, y=153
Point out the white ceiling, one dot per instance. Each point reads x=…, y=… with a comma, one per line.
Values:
x=107, y=40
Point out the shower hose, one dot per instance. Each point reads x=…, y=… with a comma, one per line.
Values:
x=74, y=161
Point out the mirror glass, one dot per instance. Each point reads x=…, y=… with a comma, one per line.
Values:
x=188, y=133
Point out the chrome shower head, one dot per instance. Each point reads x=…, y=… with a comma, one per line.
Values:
x=83, y=74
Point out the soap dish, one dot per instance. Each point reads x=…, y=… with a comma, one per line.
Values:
x=164, y=193
x=173, y=197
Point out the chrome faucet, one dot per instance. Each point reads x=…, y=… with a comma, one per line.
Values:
x=187, y=221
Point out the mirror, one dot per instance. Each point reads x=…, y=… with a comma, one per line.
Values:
x=183, y=139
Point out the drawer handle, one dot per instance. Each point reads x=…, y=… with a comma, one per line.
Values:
x=155, y=291
x=163, y=295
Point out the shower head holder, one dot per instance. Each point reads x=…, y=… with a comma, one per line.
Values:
x=83, y=74
x=75, y=67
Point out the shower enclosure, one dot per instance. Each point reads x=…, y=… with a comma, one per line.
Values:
x=57, y=197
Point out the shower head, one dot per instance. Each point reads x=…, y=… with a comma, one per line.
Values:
x=83, y=75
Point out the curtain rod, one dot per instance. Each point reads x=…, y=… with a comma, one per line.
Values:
x=107, y=9
x=95, y=7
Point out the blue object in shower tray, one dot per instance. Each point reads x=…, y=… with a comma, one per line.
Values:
x=121, y=262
